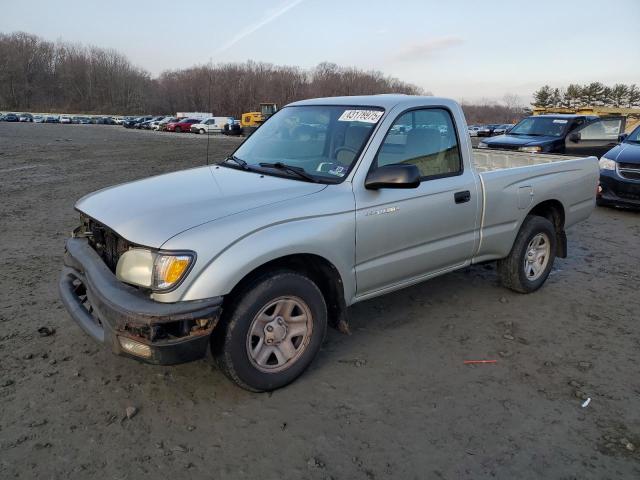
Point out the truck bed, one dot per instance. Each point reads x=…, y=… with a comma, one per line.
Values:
x=513, y=182
x=486, y=160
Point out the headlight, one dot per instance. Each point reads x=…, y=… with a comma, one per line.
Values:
x=483, y=145
x=158, y=271
x=607, y=164
x=530, y=149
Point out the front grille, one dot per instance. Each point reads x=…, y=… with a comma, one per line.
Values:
x=107, y=243
x=630, y=171
x=505, y=147
x=628, y=195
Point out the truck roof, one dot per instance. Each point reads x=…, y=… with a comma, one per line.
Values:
x=566, y=115
x=386, y=101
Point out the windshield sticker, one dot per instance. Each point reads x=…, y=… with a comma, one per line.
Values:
x=367, y=116
x=338, y=171
x=560, y=121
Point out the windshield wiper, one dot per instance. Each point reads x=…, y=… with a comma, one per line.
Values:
x=291, y=169
x=238, y=161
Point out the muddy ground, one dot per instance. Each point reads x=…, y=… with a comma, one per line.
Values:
x=393, y=400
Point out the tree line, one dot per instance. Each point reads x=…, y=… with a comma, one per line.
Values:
x=38, y=75
x=509, y=110
x=594, y=94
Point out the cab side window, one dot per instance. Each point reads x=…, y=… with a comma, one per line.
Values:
x=605, y=129
x=425, y=138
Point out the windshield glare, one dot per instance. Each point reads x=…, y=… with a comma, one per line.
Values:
x=325, y=141
x=541, y=126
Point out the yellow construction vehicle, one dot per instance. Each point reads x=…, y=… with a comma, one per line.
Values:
x=251, y=120
x=632, y=115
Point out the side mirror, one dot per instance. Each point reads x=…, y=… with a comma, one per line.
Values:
x=393, y=176
x=622, y=137
x=574, y=137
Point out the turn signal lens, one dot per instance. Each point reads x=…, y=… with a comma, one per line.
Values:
x=169, y=269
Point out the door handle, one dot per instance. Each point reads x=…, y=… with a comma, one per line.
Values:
x=462, y=197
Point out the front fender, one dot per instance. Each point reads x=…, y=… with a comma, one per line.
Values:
x=328, y=236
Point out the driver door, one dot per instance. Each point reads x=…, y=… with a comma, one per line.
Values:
x=595, y=138
x=403, y=235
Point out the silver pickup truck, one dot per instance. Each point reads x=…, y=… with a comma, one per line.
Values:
x=332, y=201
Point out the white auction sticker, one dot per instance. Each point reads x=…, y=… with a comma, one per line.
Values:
x=560, y=121
x=367, y=116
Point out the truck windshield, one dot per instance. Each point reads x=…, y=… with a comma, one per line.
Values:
x=634, y=137
x=541, y=126
x=321, y=141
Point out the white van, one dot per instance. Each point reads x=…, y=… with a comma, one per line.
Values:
x=211, y=125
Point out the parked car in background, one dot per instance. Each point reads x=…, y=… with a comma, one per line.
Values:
x=502, y=129
x=81, y=120
x=154, y=123
x=561, y=133
x=118, y=120
x=102, y=120
x=38, y=119
x=65, y=119
x=132, y=122
x=183, y=125
x=211, y=125
x=141, y=120
x=487, y=130
x=11, y=117
x=162, y=124
x=233, y=129
x=52, y=119
x=147, y=125
x=473, y=130
x=127, y=122
x=253, y=257
x=620, y=173
x=26, y=117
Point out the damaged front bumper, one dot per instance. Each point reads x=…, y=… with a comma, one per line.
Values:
x=126, y=318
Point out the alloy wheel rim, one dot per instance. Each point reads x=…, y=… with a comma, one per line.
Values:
x=536, y=256
x=279, y=334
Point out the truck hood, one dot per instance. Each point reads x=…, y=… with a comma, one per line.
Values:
x=518, y=140
x=151, y=211
x=625, y=152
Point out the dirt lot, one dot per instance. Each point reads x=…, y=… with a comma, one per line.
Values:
x=393, y=400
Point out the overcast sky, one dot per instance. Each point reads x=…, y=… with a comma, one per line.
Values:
x=462, y=49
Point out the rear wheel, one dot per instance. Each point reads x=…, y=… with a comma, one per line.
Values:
x=531, y=258
x=178, y=130
x=272, y=333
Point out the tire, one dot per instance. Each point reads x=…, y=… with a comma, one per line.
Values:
x=241, y=346
x=201, y=131
x=528, y=265
x=178, y=130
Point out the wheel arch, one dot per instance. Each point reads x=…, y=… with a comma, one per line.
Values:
x=320, y=270
x=553, y=210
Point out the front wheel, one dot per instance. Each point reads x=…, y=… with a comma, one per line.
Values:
x=201, y=131
x=272, y=333
x=531, y=258
x=178, y=130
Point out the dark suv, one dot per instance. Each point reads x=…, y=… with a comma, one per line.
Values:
x=561, y=133
x=620, y=173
